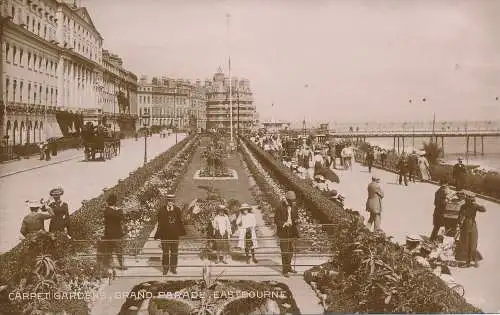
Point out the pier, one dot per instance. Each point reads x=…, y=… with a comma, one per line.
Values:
x=399, y=137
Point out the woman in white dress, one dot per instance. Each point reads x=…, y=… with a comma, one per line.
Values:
x=247, y=236
x=423, y=165
x=222, y=233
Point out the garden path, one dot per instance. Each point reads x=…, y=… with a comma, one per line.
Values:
x=147, y=266
x=408, y=210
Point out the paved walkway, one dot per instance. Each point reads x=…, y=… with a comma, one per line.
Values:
x=81, y=181
x=15, y=167
x=408, y=210
x=148, y=265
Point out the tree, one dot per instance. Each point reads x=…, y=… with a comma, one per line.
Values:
x=433, y=152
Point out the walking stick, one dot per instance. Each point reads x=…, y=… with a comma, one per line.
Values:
x=294, y=246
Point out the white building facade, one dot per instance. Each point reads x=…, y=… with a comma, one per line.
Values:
x=52, y=70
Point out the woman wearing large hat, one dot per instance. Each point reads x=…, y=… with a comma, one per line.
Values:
x=247, y=236
x=222, y=233
x=467, y=250
x=34, y=221
x=60, y=221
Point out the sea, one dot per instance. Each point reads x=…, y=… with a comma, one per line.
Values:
x=453, y=148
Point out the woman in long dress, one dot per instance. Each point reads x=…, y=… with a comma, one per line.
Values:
x=467, y=250
x=222, y=233
x=247, y=236
x=423, y=165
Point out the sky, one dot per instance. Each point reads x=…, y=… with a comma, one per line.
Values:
x=322, y=60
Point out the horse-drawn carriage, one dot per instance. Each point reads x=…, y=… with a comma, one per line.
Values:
x=100, y=140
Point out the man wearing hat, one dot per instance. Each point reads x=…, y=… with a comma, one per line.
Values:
x=467, y=250
x=286, y=218
x=60, y=221
x=113, y=231
x=34, y=221
x=459, y=174
x=441, y=199
x=170, y=228
x=374, y=203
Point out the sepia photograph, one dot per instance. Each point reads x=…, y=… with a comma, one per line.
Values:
x=219, y=157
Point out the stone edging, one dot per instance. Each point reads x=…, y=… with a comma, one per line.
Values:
x=39, y=166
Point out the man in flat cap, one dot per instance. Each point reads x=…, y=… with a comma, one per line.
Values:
x=286, y=218
x=374, y=203
x=170, y=229
x=34, y=221
x=459, y=174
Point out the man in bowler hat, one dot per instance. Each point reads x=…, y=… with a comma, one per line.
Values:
x=286, y=225
x=170, y=228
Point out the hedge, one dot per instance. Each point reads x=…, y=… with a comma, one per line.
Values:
x=83, y=221
x=486, y=184
x=357, y=289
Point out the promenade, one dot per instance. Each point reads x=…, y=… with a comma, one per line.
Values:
x=147, y=266
x=32, y=179
x=408, y=210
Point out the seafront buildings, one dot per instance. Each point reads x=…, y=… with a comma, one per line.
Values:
x=55, y=76
x=218, y=112
x=54, y=73
x=172, y=102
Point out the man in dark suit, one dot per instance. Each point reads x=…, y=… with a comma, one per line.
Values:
x=170, y=228
x=113, y=231
x=440, y=202
x=286, y=225
x=459, y=174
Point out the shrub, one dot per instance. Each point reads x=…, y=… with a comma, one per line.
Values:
x=433, y=152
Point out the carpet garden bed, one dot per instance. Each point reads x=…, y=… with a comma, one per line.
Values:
x=71, y=265
x=224, y=297
x=268, y=193
x=375, y=275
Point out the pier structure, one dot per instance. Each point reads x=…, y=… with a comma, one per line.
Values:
x=436, y=136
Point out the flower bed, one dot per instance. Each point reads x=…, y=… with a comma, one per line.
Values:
x=218, y=298
x=224, y=172
x=87, y=228
x=375, y=275
x=312, y=238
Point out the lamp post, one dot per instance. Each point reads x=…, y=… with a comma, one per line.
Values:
x=145, y=124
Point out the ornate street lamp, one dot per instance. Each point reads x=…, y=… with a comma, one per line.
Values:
x=145, y=124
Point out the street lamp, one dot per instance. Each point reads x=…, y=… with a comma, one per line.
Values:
x=145, y=124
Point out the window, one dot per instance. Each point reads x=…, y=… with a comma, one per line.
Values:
x=27, y=21
x=38, y=29
x=21, y=91
x=7, y=82
x=51, y=96
x=45, y=31
x=7, y=50
x=40, y=64
x=46, y=95
x=13, y=12
x=29, y=60
x=29, y=92
x=34, y=62
x=47, y=66
x=40, y=99
x=21, y=52
x=14, y=54
x=14, y=87
x=33, y=25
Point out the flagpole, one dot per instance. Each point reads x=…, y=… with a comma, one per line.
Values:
x=228, y=16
